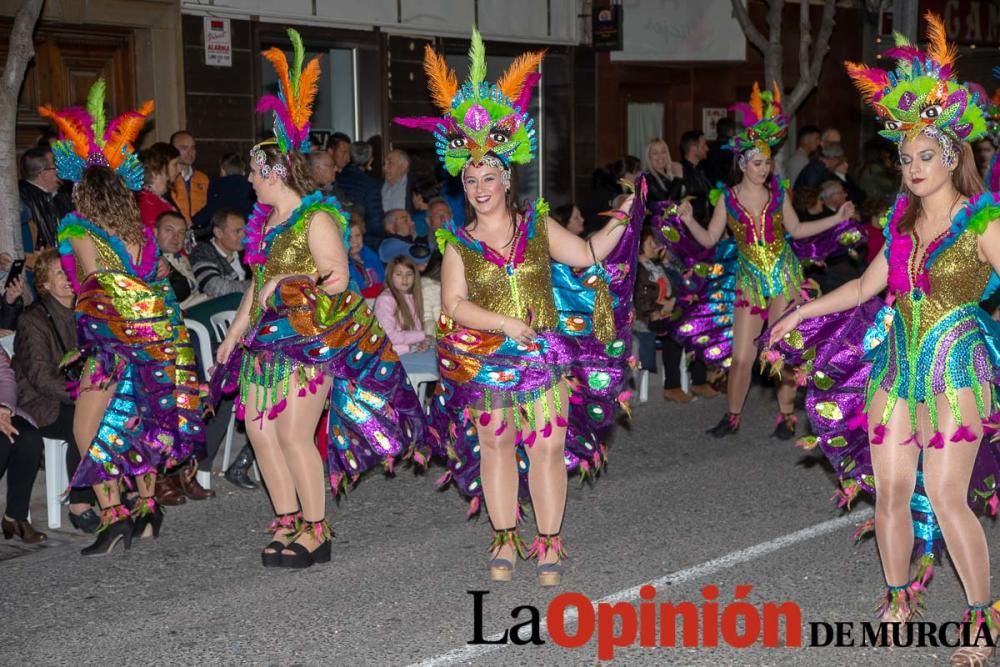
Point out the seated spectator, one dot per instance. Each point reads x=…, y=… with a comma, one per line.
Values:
x=230, y=189
x=399, y=310
x=160, y=163
x=654, y=301
x=871, y=222
x=424, y=191
x=367, y=270
x=830, y=164
x=171, y=232
x=339, y=148
x=45, y=333
x=400, y=235
x=438, y=215
x=569, y=216
x=807, y=204
x=20, y=454
x=363, y=191
x=324, y=173
x=217, y=264
x=833, y=195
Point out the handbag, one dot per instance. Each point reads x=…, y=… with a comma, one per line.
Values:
x=72, y=370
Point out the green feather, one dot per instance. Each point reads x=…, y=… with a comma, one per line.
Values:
x=299, y=51
x=95, y=107
x=981, y=219
x=444, y=236
x=477, y=59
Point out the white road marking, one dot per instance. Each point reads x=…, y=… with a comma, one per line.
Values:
x=471, y=653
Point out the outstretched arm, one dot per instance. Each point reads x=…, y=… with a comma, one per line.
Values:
x=848, y=295
x=571, y=250
x=799, y=230
x=716, y=226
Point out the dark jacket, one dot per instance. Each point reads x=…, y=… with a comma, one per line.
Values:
x=41, y=385
x=697, y=186
x=815, y=174
x=363, y=191
x=233, y=191
x=46, y=210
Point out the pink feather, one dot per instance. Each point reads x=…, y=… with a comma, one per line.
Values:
x=524, y=99
x=82, y=118
x=905, y=53
x=272, y=103
x=426, y=123
x=745, y=114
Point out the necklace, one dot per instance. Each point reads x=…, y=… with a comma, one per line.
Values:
x=921, y=253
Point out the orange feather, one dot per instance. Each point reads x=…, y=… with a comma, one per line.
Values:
x=441, y=79
x=777, y=93
x=939, y=49
x=513, y=79
x=280, y=63
x=756, y=103
x=124, y=135
x=70, y=130
x=996, y=96
x=864, y=83
x=301, y=107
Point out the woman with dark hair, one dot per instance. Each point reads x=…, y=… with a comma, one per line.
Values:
x=521, y=338
x=138, y=408
x=569, y=216
x=929, y=363
x=769, y=276
x=306, y=340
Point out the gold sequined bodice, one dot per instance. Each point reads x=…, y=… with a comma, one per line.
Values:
x=759, y=235
x=287, y=254
x=524, y=290
x=957, y=277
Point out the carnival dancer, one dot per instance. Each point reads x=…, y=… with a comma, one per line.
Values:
x=138, y=408
x=304, y=338
x=769, y=276
x=532, y=354
x=934, y=359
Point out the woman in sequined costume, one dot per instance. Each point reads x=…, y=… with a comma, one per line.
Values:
x=517, y=319
x=769, y=275
x=138, y=408
x=303, y=344
x=934, y=352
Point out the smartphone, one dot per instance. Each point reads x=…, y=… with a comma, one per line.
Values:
x=15, y=270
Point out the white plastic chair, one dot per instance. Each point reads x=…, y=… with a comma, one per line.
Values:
x=221, y=322
x=205, y=354
x=643, y=380
x=422, y=381
x=55, y=479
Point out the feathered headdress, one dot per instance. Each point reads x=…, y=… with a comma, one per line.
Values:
x=765, y=123
x=88, y=140
x=297, y=88
x=922, y=94
x=481, y=121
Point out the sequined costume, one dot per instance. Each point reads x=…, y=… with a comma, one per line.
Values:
x=702, y=320
x=582, y=320
x=131, y=333
x=930, y=339
x=374, y=416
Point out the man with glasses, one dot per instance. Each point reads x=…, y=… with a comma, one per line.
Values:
x=42, y=204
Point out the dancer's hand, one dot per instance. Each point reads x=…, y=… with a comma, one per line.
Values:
x=266, y=291
x=225, y=350
x=846, y=211
x=686, y=212
x=518, y=330
x=784, y=326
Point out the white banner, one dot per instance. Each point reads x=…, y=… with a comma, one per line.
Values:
x=218, y=42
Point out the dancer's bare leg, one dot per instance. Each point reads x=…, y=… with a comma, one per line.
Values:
x=895, y=467
x=91, y=405
x=498, y=473
x=786, y=388
x=547, y=479
x=296, y=428
x=746, y=329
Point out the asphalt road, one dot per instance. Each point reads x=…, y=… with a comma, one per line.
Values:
x=675, y=507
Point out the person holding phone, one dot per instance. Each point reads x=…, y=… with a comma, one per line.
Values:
x=14, y=295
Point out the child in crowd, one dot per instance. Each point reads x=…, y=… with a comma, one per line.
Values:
x=399, y=310
x=366, y=268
